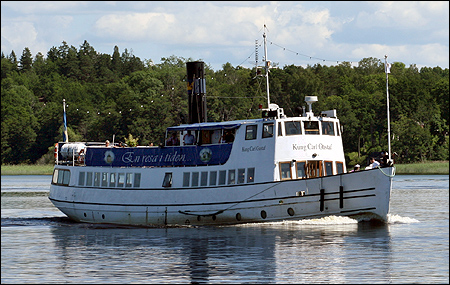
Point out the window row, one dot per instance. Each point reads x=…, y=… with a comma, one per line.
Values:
x=309, y=169
x=61, y=177
x=309, y=128
x=221, y=177
x=106, y=179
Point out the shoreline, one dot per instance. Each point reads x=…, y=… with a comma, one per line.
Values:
x=420, y=168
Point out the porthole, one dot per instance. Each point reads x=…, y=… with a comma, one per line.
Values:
x=103, y=216
x=238, y=216
x=85, y=215
x=263, y=214
x=290, y=212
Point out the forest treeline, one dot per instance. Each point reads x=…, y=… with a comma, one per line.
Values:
x=124, y=97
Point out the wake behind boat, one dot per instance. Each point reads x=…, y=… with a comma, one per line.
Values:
x=269, y=169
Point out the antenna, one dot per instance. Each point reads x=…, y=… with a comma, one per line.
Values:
x=267, y=66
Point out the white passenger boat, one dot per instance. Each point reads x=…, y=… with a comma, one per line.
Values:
x=274, y=168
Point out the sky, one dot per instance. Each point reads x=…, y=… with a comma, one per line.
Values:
x=218, y=32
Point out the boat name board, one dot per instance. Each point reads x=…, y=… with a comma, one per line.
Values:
x=311, y=146
x=156, y=156
x=253, y=148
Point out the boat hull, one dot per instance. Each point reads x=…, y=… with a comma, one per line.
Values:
x=349, y=194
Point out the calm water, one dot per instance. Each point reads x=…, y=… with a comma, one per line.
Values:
x=40, y=245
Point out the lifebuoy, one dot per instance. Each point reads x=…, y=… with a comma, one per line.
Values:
x=56, y=150
x=81, y=156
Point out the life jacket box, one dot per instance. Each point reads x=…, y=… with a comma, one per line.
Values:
x=71, y=150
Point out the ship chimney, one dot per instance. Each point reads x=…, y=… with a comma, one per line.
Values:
x=196, y=92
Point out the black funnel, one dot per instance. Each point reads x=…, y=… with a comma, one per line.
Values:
x=196, y=92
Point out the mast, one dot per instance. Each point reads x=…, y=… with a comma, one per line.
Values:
x=387, y=71
x=266, y=65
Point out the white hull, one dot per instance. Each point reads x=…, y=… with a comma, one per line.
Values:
x=343, y=195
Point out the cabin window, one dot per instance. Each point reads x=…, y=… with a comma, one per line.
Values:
x=328, y=168
x=104, y=179
x=328, y=128
x=292, y=128
x=222, y=177
x=280, y=130
x=301, y=173
x=313, y=168
x=337, y=129
x=186, y=177
x=112, y=180
x=231, y=176
x=61, y=177
x=137, y=180
x=250, y=175
x=195, y=178
x=267, y=130
x=55, y=176
x=212, y=178
x=129, y=180
x=311, y=127
x=250, y=132
x=167, y=182
x=285, y=170
x=120, y=179
x=97, y=179
x=204, y=178
x=339, y=167
x=89, y=179
x=81, y=178
x=241, y=176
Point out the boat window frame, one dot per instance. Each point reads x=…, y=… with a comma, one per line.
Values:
x=112, y=179
x=213, y=178
x=104, y=179
x=128, y=179
x=280, y=129
x=81, y=178
x=251, y=132
x=250, y=175
x=222, y=177
x=267, y=132
x=240, y=176
x=326, y=130
x=337, y=167
x=61, y=177
x=195, y=179
x=204, y=178
x=186, y=179
x=297, y=164
x=137, y=180
x=231, y=176
x=310, y=130
x=298, y=128
x=167, y=181
x=120, y=177
x=326, y=164
x=280, y=166
x=318, y=168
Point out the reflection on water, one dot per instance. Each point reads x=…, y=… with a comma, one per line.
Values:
x=251, y=253
x=41, y=245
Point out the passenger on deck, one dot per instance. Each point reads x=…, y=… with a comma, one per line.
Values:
x=373, y=164
x=107, y=143
x=188, y=138
x=173, y=140
x=228, y=137
x=385, y=159
x=357, y=167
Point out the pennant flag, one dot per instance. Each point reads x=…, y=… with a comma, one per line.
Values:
x=65, y=136
x=388, y=67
